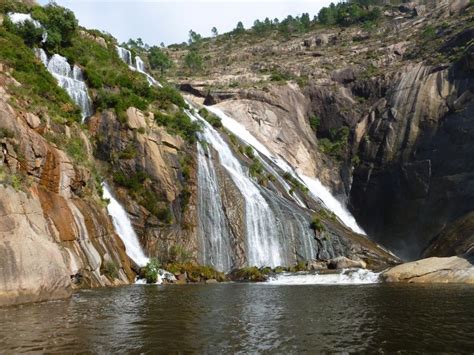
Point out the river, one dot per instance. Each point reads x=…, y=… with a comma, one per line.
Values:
x=246, y=318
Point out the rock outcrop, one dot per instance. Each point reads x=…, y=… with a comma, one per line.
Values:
x=55, y=233
x=433, y=270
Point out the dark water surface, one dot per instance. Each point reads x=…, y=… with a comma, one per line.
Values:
x=226, y=318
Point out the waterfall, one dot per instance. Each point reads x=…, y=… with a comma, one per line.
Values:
x=69, y=78
x=126, y=57
x=213, y=226
x=276, y=232
x=19, y=19
x=316, y=188
x=124, y=229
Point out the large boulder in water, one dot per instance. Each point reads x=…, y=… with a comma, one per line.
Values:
x=342, y=262
x=433, y=270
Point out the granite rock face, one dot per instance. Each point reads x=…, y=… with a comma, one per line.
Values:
x=433, y=270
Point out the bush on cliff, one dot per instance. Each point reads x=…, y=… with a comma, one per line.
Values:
x=151, y=271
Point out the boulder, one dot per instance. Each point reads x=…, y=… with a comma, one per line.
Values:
x=136, y=118
x=33, y=120
x=312, y=265
x=454, y=269
x=457, y=6
x=342, y=262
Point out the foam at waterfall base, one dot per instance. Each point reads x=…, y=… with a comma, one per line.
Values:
x=345, y=277
x=162, y=275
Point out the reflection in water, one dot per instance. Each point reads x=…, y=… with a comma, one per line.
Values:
x=246, y=318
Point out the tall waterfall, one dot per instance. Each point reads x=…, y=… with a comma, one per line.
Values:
x=69, y=78
x=213, y=226
x=317, y=189
x=276, y=232
x=124, y=229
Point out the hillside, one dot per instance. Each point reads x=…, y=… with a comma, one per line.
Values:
x=376, y=110
x=237, y=168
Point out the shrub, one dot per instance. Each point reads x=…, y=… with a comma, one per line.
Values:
x=179, y=123
x=39, y=88
x=215, y=121
x=249, y=152
x=151, y=271
x=6, y=133
x=317, y=225
x=111, y=269
x=178, y=254
x=159, y=60
x=193, y=61
x=76, y=150
x=314, y=122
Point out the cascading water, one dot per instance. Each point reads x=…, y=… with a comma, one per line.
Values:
x=315, y=187
x=124, y=229
x=213, y=226
x=126, y=57
x=276, y=232
x=69, y=78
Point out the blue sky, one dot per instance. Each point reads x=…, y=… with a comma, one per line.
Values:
x=169, y=21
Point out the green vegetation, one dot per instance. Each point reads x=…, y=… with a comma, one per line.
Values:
x=179, y=123
x=295, y=183
x=179, y=255
x=159, y=60
x=194, y=272
x=110, y=269
x=6, y=133
x=215, y=121
x=39, y=89
x=251, y=273
x=130, y=152
x=193, y=61
x=151, y=271
x=60, y=24
x=336, y=144
x=314, y=122
x=317, y=225
x=136, y=184
x=348, y=13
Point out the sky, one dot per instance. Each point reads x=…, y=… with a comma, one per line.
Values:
x=169, y=21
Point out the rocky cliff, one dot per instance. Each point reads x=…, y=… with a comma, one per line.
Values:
x=381, y=115
x=55, y=234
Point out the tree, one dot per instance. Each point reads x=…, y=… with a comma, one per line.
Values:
x=159, y=59
x=240, y=28
x=193, y=61
x=194, y=37
x=214, y=32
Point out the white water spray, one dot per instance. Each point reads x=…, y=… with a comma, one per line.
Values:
x=345, y=277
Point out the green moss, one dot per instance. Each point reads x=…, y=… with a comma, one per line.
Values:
x=111, y=269
x=251, y=273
